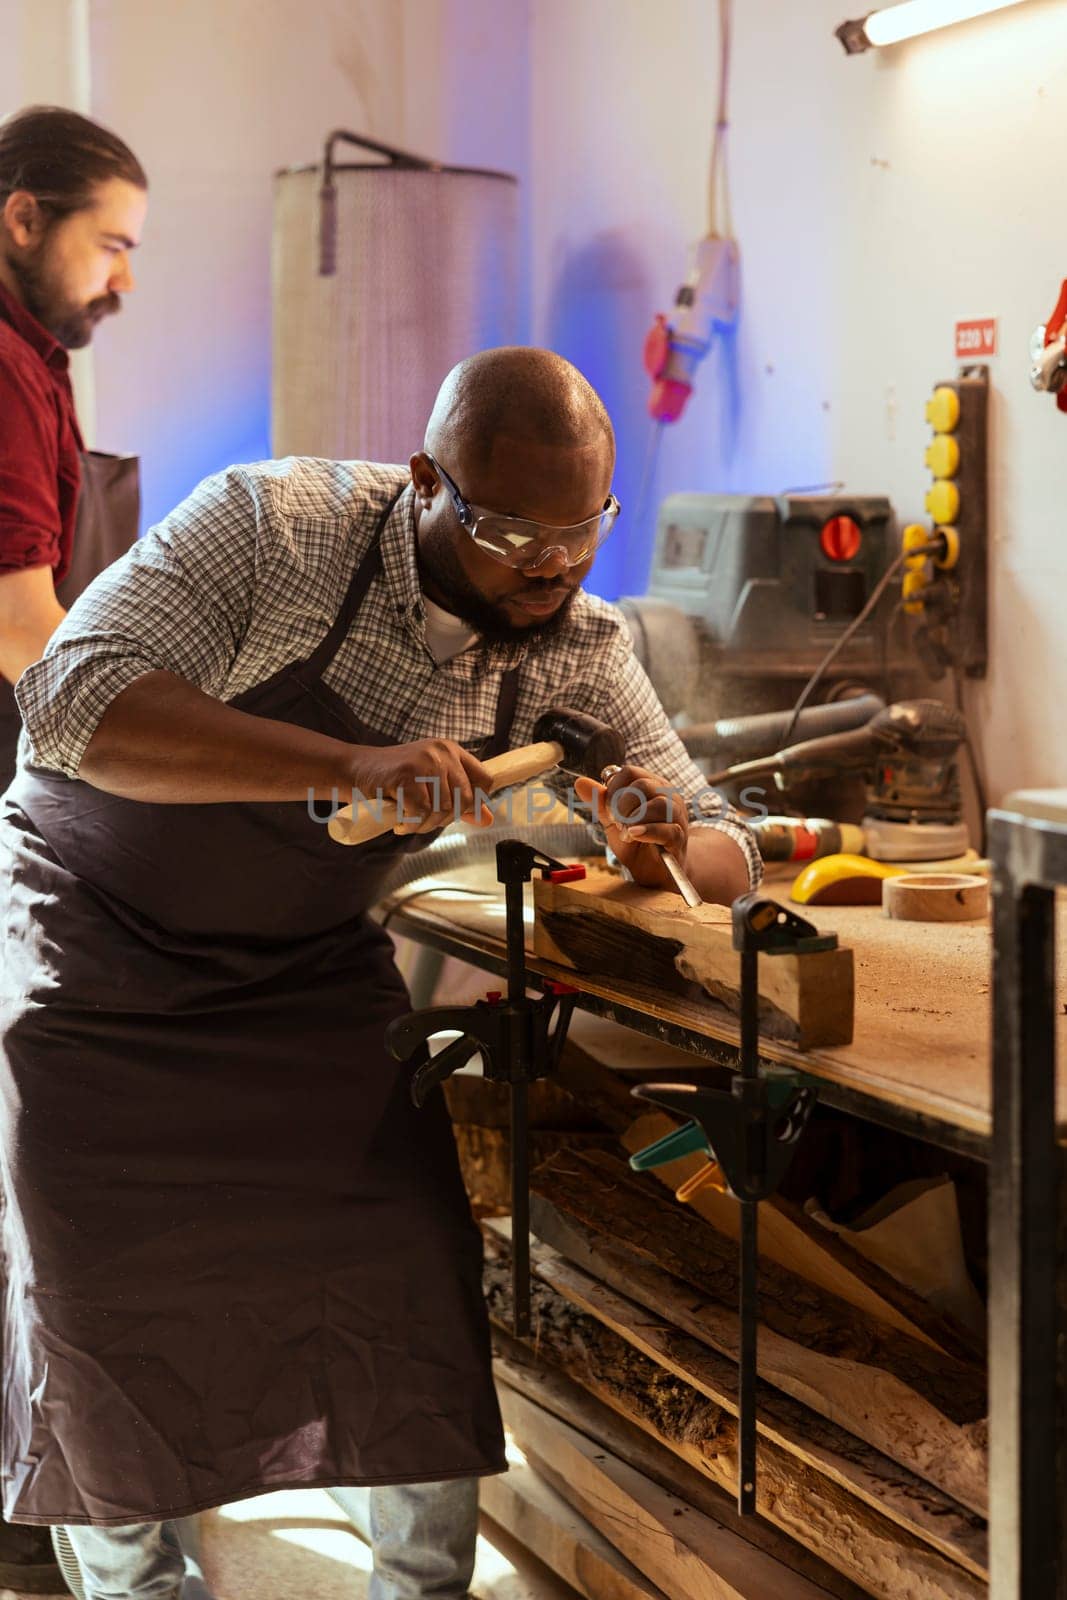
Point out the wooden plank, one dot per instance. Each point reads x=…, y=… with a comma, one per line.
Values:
x=485, y=1103
x=899, y=1495
x=795, y=1241
x=846, y=1532
x=524, y=1504
x=485, y=1160
x=521, y=1367
x=910, y=1402
x=507, y=1570
x=687, y=1555
x=607, y=926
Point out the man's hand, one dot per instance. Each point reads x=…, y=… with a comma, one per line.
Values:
x=433, y=782
x=715, y=864
x=640, y=811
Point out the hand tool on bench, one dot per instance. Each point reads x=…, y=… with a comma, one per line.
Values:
x=752, y=1129
x=519, y=1038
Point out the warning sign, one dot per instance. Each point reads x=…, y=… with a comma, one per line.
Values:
x=976, y=340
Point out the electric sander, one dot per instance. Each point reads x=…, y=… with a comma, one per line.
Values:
x=907, y=754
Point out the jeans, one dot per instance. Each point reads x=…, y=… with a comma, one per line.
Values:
x=423, y=1536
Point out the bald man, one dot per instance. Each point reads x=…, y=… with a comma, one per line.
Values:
x=254, y=1266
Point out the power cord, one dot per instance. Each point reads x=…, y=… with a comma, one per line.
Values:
x=932, y=547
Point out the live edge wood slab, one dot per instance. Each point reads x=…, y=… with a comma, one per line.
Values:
x=606, y=925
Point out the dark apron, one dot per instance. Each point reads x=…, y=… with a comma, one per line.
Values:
x=109, y=509
x=239, y=1259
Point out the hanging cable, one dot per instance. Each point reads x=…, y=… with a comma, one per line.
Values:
x=935, y=546
x=718, y=175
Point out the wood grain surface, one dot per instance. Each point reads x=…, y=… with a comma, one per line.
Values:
x=921, y=1408
x=848, y=1533
x=921, y=1038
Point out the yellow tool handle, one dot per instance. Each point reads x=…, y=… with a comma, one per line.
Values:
x=514, y=766
x=710, y=1176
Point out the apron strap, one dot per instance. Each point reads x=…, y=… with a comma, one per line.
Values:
x=364, y=575
x=505, y=713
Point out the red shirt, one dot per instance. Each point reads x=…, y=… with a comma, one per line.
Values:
x=40, y=469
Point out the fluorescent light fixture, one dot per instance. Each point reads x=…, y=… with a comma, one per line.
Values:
x=894, y=23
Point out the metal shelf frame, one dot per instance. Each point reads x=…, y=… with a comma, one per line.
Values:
x=1027, y=1220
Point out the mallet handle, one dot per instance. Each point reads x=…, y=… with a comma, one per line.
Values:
x=514, y=766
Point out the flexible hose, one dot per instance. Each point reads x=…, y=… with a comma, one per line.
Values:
x=745, y=738
x=454, y=850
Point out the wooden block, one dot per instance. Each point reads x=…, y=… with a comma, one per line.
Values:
x=687, y=1555
x=523, y=1503
x=909, y=1401
x=936, y=897
x=652, y=941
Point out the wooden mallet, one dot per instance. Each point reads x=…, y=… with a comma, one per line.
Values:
x=564, y=738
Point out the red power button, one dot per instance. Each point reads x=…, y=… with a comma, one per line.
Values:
x=840, y=539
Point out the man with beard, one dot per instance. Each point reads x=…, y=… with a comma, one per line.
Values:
x=72, y=202
x=72, y=205
x=254, y=1267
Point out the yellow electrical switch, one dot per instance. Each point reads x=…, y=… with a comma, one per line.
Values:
x=952, y=549
x=943, y=409
x=943, y=501
x=911, y=591
x=943, y=456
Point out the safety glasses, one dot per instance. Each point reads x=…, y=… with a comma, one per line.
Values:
x=525, y=545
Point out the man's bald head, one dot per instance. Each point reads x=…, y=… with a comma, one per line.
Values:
x=516, y=392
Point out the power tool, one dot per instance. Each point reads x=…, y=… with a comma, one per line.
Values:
x=907, y=755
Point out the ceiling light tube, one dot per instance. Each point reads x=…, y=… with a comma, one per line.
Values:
x=894, y=23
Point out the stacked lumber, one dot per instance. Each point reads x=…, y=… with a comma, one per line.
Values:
x=480, y=1111
x=872, y=1438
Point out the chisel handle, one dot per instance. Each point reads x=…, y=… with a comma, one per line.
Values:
x=514, y=766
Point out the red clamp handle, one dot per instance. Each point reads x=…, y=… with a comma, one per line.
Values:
x=566, y=874
x=553, y=986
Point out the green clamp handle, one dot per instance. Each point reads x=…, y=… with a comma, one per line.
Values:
x=688, y=1141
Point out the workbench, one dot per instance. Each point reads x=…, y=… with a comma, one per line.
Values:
x=950, y=1046
x=919, y=1059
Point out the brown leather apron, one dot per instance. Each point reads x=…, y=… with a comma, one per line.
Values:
x=109, y=509
x=239, y=1259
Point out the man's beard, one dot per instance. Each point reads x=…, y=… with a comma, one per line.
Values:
x=438, y=559
x=72, y=326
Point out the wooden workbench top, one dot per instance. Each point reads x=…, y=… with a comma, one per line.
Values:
x=922, y=1022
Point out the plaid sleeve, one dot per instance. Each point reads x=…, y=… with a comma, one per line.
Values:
x=178, y=602
x=620, y=694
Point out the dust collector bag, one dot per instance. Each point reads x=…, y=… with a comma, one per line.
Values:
x=426, y=274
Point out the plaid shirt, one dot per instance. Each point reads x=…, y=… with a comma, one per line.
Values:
x=247, y=575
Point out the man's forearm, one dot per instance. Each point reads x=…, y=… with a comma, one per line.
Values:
x=163, y=740
x=716, y=865
x=21, y=644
